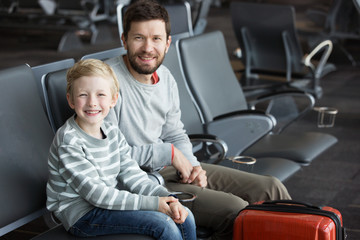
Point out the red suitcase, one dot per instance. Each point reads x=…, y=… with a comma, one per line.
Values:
x=286, y=219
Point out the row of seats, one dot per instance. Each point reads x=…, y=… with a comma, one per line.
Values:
x=337, y=20
x=67, y=17
x=271, y=49
x=36, y=106
x=74, y=18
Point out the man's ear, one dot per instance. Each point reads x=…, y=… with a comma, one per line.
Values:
x=123, y=41
x=168, y=42
x=70, y=101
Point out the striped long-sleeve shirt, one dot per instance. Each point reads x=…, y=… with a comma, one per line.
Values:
x=84, y=173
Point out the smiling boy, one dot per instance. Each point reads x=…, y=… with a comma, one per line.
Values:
x=87, y=160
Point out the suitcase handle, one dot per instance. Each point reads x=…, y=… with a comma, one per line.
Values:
x=278, y=202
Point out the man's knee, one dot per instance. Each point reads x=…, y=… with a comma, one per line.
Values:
x=220, y=214
x=276, y=190
x=218, y=206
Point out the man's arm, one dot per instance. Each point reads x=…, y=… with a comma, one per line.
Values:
x=152, y=157
x=183, y=158
x=173, y=130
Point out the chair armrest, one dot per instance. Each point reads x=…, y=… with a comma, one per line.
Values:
x=238, y=113
x=325, y=46
x=156, y=177
x=285, y=106
x=210, y=149
x=242, y=129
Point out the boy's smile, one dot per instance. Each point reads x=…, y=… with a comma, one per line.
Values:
x=92, y=100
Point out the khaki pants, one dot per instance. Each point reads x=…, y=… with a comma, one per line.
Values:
x=228, y=191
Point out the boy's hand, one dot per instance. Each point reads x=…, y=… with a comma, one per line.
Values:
x=173, y=208
x=164, y=204
x=179, y=213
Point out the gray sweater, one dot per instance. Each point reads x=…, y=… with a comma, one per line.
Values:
x=149, y=117
x=84, y=173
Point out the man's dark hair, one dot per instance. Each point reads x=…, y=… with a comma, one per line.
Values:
x=145, y=10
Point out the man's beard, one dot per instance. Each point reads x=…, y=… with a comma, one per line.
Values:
x=144, y=69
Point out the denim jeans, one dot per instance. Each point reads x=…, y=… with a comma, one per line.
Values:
x=156, y=224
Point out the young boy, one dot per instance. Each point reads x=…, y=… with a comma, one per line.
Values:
x=87, y=160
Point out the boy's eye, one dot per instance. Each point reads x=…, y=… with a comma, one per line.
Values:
x=82, y=95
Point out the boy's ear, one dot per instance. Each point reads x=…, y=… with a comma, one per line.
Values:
x=70, y=101
x=114, y=100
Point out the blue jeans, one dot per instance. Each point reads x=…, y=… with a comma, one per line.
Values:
x=156, y=224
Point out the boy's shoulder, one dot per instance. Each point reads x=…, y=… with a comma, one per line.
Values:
x=109, y=126
x=66, y=133
x=111, y=129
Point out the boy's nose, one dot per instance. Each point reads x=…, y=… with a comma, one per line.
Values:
x=92, y=102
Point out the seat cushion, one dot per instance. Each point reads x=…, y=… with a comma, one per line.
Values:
x=299, y=147
x=280, y=168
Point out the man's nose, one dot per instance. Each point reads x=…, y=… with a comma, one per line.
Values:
x=148, y=45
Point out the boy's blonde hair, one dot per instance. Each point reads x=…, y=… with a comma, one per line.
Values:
x=91, y=67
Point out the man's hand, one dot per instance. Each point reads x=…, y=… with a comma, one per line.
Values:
x=183, y=165
x=188, y=173
x=198, y=177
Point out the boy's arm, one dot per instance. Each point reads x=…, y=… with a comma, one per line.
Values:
x=130, y=168
x=85, y=180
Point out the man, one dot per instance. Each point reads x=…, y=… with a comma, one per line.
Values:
x=148, y=114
